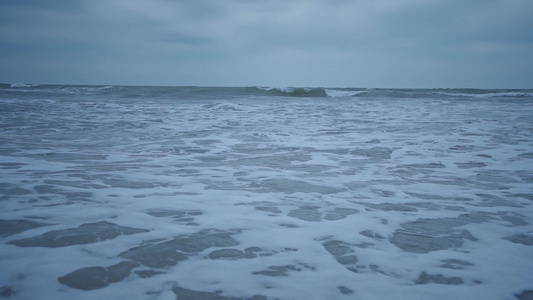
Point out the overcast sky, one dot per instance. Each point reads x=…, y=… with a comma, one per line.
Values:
x=329, y=43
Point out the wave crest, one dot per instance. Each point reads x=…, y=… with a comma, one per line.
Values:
x=294, y=91
x=251, y=92
x=485, y=95
x=310, y=92
x=23, y=85
x=341, y=93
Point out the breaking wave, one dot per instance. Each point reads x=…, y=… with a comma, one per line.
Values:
x=488, y=94
x=312, y=92
x=22, y=85
x=254, y=92
x=293, y=91
x=56, y=89
x=337, y=93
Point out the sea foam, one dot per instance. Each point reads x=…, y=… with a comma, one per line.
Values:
x=261, y=193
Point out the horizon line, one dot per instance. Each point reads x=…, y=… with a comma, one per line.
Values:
x=266, y=86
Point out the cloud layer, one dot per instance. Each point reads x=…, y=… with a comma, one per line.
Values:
x=359, y=43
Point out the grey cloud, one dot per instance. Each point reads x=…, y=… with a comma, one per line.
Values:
x=412, y=43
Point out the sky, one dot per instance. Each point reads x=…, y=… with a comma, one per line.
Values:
x=305, y=43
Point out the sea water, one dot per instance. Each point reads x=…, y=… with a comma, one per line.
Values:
x=114, y=192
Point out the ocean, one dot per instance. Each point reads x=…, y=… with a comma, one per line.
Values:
x=127, y=192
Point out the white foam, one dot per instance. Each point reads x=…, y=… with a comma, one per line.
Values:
x=23, y=85
x=488, y=95
x=343, y=93
x=276, y=175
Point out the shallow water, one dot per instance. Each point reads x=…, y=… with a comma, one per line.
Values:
x=265, y=197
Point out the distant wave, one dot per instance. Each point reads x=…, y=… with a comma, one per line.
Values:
x=56, y=89
x=487, y=94
x=23, y=85
x=256, y=92
x=84, y=89
x=338, y=93
x=311, y=92
x=293, y=91
x=448, y=93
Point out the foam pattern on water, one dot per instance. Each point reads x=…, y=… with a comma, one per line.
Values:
x=270, y=198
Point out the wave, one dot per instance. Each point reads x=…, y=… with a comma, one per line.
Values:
x=448, y=93
x=488, y=94
x=257, y=92
x=56, y=89
x=292, y=91
x=23, y=85
x=311, y=92
x=392, y=93
x=342, y=93
x=84, y=89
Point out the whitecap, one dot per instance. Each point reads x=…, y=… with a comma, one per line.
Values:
x=343, y=93
x=513, y=94
x=22, y=85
